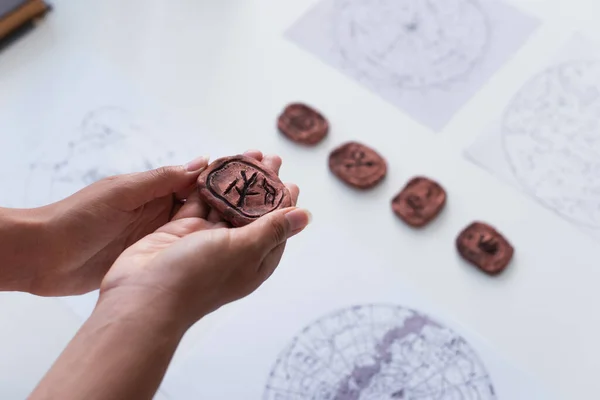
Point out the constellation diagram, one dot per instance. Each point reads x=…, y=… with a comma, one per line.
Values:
x=426, y=57
x=551, y=139
x=109, y=141
x=411, y=44
x=378, y=352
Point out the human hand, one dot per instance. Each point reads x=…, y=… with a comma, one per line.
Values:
x=85, y=233
x=196, y=263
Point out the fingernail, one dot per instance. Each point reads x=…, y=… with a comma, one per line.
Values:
x=253, y=151
x=197, y=164
x=298, y=219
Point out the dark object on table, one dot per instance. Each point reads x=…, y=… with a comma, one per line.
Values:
x=419, y=202
x=303, y=124
x=484, y=247
x=241, y=189
x=357, y=165
x=18, y=16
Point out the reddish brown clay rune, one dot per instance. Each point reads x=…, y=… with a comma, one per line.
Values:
x=357, y=165
x=303, y=124
x=484, y=247
x=419, y=202
x=241, y=189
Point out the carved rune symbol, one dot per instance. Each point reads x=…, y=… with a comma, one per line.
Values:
x=415, y=202
x=270, y=192
x=244, y=191
x=357, y=158
x=488, y=243
x=246, y=188
x=303, y=122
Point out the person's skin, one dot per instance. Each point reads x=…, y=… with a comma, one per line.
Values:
x=67, y=247
x=173, y=264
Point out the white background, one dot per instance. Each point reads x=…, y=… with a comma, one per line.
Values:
x=276, y=315
x=224, y=65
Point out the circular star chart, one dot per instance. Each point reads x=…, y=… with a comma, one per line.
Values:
x=109, y=141
x=551, y=139
x=378, y=352
x=411, y=44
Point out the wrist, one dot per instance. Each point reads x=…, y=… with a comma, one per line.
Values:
x=137, y=306
x=25, y=246
x=121, y=352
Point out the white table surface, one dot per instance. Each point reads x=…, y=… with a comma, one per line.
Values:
x=225, y=65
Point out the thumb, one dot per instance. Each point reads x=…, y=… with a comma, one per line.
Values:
x=140, y=188
x=273, y=229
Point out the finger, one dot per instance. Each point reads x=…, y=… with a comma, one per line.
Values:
x=175, y=210
x=273, y=163
x=214, y=217
x=271, y=230
x=137, y=189
x=256, y=154
x=183, y=194
x=222, y=224
x=294, y=192
x=193, y=207
x=184, y=226
x=271, y=262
